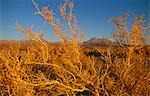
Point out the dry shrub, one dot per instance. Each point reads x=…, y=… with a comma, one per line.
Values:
x=131, y=71
x=45, y=69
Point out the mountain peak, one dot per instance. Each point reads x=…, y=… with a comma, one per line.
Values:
x=99, y=42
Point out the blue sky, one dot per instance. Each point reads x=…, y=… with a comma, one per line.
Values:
x=93, y=16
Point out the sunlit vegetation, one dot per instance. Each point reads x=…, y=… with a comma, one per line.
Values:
x=70, y=69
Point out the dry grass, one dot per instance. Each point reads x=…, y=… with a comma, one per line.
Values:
x=43, y=69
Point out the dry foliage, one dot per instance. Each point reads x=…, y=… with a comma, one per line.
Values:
x=45, y=69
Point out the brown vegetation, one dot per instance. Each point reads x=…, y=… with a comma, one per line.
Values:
x=66, y=69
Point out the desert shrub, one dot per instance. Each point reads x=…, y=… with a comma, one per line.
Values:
x=66, y=71
x=63, y=69
x=131, y=70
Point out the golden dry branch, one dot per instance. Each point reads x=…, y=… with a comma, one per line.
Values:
x=64, y=69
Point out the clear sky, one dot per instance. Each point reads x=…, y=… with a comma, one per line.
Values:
x=93, y=16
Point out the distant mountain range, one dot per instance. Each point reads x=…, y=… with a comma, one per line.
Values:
x=92, y=42
x=9, y=43
x=98, y=42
